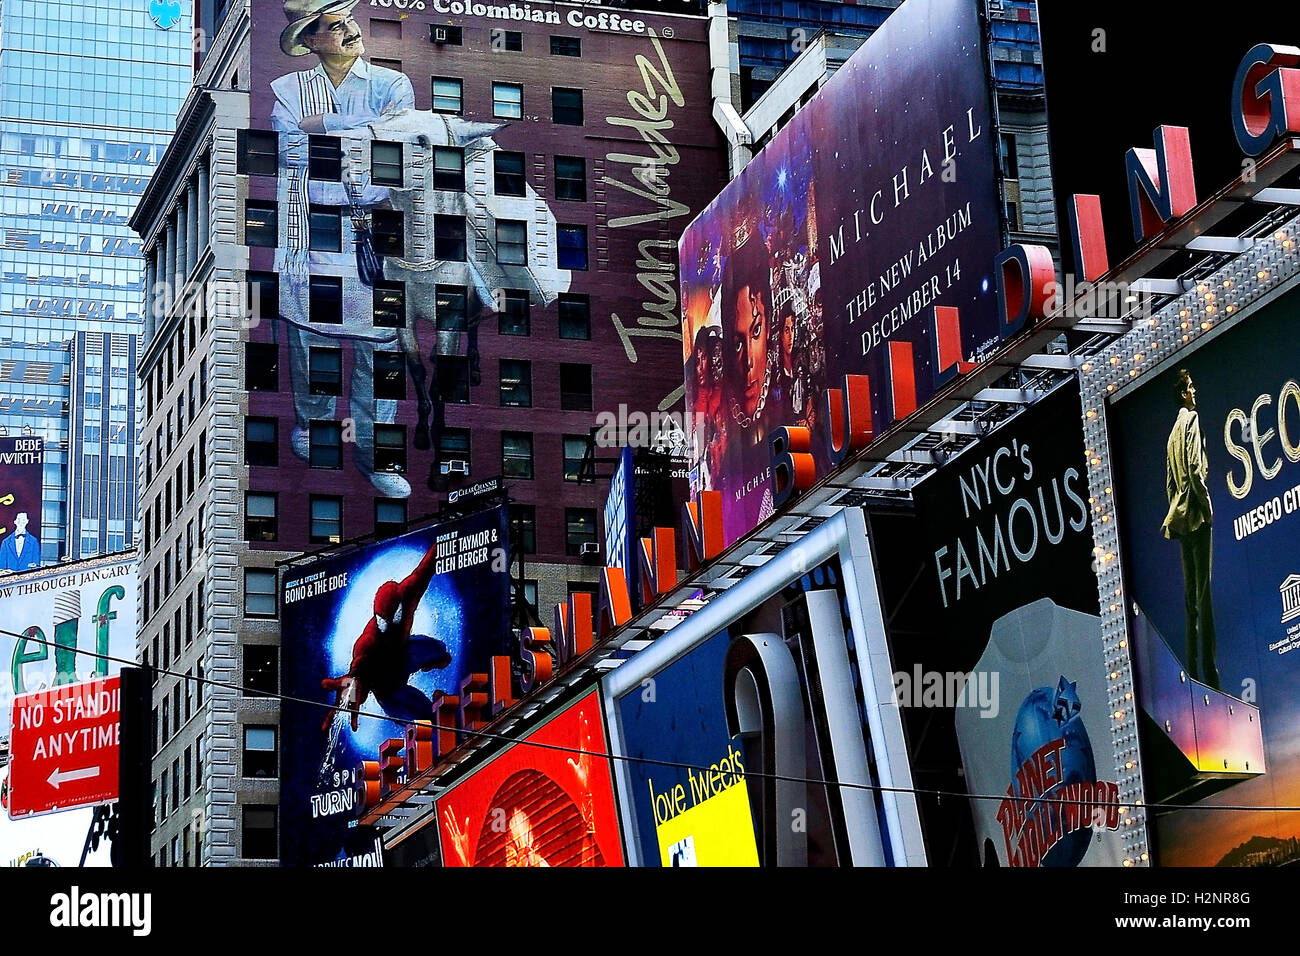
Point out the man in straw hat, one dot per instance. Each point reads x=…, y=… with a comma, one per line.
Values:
x=343, y=92
x=340, y=96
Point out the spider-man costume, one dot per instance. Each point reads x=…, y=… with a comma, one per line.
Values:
x=387, y=653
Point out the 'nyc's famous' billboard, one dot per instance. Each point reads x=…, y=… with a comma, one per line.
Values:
x=829, y=253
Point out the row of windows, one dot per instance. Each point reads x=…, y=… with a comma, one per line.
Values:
x=325, y=365
x=259, y=156
x=261, y=585
x=325, y=516
x=507, y=100
x=450, y=235
x=168, y=717
x=389, y=308
x=509, y=41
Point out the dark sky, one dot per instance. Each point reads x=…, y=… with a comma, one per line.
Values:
x=1164, y=63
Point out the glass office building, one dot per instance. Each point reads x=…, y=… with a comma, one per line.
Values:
x=89, y=91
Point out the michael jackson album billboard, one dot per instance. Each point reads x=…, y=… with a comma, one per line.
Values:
x=1000, y=672
x=827, y=255
x=547, y=800
x=379, y=632
x=1206, y=459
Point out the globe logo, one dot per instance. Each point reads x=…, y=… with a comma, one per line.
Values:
x=165, y=13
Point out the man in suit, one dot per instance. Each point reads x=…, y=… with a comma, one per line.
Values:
x=341, y=96
x=20, y=551
x=1189, y=520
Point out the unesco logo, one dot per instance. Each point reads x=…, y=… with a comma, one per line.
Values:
x=165, y=13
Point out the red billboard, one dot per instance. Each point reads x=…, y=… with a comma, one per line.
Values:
x=546, y=801
x=64, y=748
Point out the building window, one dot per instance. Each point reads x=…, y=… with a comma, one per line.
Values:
x=575, y=387
x=566, y=106
x=326, y=299
x=446, y=94
x=575, y=316
x=263, y=296
x=261, y=670
x=523, y=528
x=507, y=100
x=516, y=383
x=572, y=242
x=258, y=153
x=390, y=517
x=326, y=445
x=512, y=242
x=261, y=225
x=326, y=519
x=326, y=229
x=260, y=837
x=508, y=173
x=387, y=64
x=389, y=305
x=453, y=379
x=449, y=308
x=438, y=33
x=260, y=523
x=566, y=46
x=571, y=178
x=260, y=752
x=326, y=370
x=517, y=454
x=575, y=450
x=579, y=529
x=1010, y=163
x=454, y=445
x=386, y=164
x=448, y=168
x=259, y=592
x=390, y=448
x=514, y=315
x=390, y=376
x=324, y=158
x=449, y=238
x=261, y=367
x=389, y=231
x=512, y=41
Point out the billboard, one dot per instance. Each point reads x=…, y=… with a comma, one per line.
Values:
x=489, y=215
x=827, y=255
x=22, y=464
x=82, y=609
x=1206, y=462
x=379, y=632
x=547, y=800
x=621, y=520
x=756, y=731
x=1000, y=671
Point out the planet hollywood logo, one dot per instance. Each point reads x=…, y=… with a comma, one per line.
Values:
x=1055, y=797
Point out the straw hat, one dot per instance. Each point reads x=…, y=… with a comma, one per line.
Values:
x=301, y=15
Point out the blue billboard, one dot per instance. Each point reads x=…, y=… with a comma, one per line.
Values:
x=1206, y=459
x=380, y=633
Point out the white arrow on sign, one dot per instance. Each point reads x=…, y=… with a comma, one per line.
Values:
x=57, y=778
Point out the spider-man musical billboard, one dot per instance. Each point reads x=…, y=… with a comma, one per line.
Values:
x=379, y=633
x=548, y=800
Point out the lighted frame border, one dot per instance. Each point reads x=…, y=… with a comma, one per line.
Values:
x=845, y=536
x=1269, y=269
